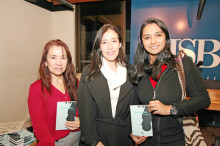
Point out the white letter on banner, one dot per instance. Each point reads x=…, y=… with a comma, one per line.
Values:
x=201, y=52
x=173, y=45
x=192, y=54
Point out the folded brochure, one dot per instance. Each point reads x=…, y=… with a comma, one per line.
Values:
x=141, y=120
x=66, y=111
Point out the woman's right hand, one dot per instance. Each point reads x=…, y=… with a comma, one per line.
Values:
x=73, y=125
x=100, y=144
x=138, y=139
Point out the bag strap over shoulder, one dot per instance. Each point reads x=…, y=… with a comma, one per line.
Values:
x=180, y=71
x=192, y=133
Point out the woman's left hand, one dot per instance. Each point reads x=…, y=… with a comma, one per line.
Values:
x=157, y=107
x=73, y=125
x=138, y=139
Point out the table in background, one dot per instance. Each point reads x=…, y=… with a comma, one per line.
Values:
x=215, y=99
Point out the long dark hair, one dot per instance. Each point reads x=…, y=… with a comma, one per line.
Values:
x=96, y=54
x=70, y=80
x=142, y=59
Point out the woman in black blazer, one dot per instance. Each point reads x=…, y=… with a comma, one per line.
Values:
x=105, y=93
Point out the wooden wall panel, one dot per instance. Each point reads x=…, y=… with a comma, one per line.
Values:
x=55, y=2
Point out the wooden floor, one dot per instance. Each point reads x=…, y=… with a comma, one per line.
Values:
x=209, y=133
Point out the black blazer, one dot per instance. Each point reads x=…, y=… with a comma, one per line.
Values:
x=95, y=112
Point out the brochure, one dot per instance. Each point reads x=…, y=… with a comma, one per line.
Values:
x=141, y=120
x=66, y=111
x=10, y=127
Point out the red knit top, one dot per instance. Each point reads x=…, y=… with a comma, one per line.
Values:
x=154, y=83
x=43, y=113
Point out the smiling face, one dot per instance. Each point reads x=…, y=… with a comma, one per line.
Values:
x=56, y=61
x=110, y=45
x=154, y=40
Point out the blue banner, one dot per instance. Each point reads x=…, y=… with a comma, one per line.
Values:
x=199, y=38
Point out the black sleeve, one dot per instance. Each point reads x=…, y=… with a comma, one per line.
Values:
x=135, y=100
x=89, y=135
x=195, y=88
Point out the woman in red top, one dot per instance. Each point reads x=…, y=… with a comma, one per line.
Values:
x=57, y=82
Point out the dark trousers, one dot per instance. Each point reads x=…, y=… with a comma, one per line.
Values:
x=150, y=142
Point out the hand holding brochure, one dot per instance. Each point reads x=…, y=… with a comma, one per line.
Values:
x=66, y=111
x=141, y=120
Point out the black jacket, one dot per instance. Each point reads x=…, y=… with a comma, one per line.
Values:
x=169, y=92
x=96, y=115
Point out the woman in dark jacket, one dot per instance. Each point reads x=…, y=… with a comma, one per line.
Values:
x=158, y=85
x=105, y=93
